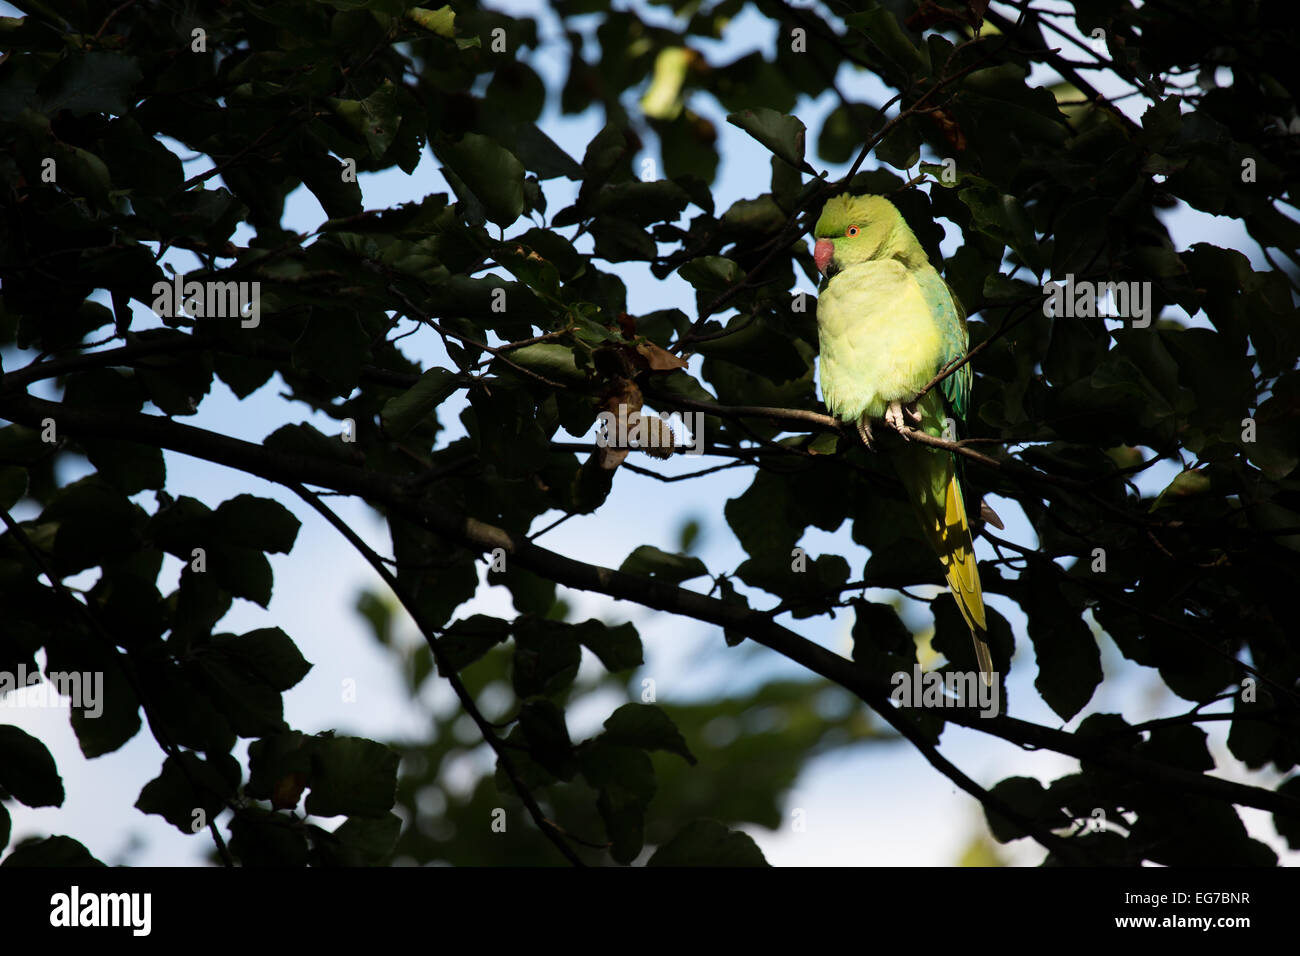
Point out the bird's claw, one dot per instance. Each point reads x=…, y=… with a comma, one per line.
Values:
x=864, y=431
x=902, y=417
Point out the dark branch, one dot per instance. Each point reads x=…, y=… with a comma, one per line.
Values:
x=399, y=494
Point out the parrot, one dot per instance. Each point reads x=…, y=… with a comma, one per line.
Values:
x=887, y=323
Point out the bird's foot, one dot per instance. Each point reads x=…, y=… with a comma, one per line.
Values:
x=864, y=431
x=902, y=417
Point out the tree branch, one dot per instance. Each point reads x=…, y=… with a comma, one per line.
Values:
x=397, y=492
x=549, y=829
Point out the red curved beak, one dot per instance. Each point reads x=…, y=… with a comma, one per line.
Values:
x=823, y=250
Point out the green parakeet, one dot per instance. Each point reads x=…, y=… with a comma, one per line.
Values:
x=888, y=323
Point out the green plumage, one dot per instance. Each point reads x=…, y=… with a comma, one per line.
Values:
x=888, y=323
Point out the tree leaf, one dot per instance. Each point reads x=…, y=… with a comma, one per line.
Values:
x=55, y=851
x=619, y=648
x=466, y=641
x=27, y=770
x=491, y=172
x=625, y=779
x=708, y=843
x=351, y=775
x=190, y=791
x=782, y=134
x=441, y=21
x=267, y=652
x=403, y=412
x=546, y=659
x=652, y=562
x=646, y=726
x=254, y=522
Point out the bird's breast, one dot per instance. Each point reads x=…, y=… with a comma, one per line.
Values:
x=879, y=342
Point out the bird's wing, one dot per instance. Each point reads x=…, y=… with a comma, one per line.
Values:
x=950, y=318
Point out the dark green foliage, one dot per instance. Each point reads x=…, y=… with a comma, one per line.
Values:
x=1193, y=578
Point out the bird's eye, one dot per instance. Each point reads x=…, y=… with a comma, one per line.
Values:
x=851, y=231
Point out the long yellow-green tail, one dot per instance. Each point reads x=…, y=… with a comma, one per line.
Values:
x=952, y=541
x=930, y=476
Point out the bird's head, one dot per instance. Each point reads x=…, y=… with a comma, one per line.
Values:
x=855, y=229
